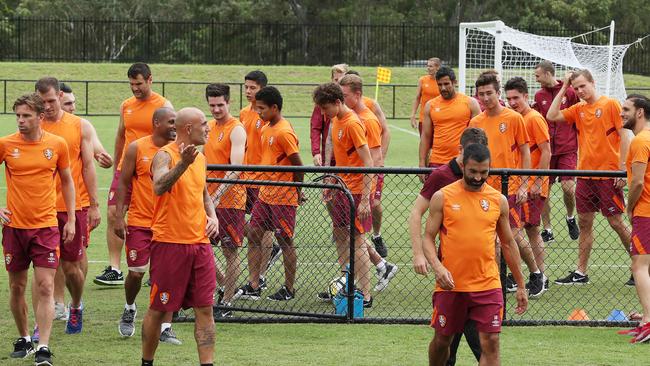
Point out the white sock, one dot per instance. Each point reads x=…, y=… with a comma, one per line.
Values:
x=569, y=217
x=382, y=265
x=130, y=307
x=376, y=235
x=27, y=338
x=41, y=346
x=116, y=269
x=580, y=273
x=537, y=272
x=165, y=326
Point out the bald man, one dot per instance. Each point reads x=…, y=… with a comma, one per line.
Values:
x=181, y=263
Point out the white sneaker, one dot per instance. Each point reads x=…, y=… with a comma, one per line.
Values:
x=387, y=275
x=60, y=311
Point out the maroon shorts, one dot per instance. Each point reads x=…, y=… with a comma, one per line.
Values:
x=74, y=250
x=593, y=195
x=182, y=275
x=112, y=192
x=251, y=197
x=379, y=187
x=22, y=246
x=516, y=214
x=532, y=211
x=137, y=247
x=640, y=244
x=341, y=213
x=280, y=219
x=451, y=310
x=567, y=161
x=231, y=227
x=87, y=241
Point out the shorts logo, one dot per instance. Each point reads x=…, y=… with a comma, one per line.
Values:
x=164, y=298
x=51, y=258
x=442, y=320
x=496, y=322
x=8, y=258
x=544, y=102
x=340, y=135
x=133, y=254
x=258, y=124
x=220, y=136
x=48, y=153
x=503, y=127
x=563, y=100
x=485, y=204
x=599, y=112
x=270, y=140
x=110, y=195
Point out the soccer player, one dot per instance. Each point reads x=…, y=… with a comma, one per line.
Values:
x=636, y=116
x=136, y=115
x=350, y=148
x=226, y=145
x=469, y=214
x=30, y=232
x=439, y=178
x=564, y=146
x=540, y=156
x=352, y=87
x=445, y=118
x=603, y=145
x=78, y=135
x=181, y=262
x=508, y=143
x=136, y=173
x=275, y=209
x=427, y=90
x=68, y=101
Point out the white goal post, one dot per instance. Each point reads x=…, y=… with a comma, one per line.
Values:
x=493, y=45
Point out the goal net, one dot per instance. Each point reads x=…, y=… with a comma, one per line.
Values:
x=493, y=45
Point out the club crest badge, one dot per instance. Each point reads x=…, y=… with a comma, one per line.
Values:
x=563, y=100
x=599, y=112
x=164, y=298
x=220, y=136
x=258, y=124
x=503, y=127
x=485, y=204
x=442, y=320
x=270, y=140
x=15, y=153
x=48, y=153
x=340, y=135
x=8, y=258
x=133, y=254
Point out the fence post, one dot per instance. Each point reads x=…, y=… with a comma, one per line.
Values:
x=5, y=97
x=20, y=39
x=393, y=101
x=86, y=99
x=402, y=43
x=350, y=283
x=340, y=43
x=503, y=270
x=148, y=53
x=83, y=39
x=211, y=41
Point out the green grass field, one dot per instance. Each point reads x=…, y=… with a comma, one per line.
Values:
x=321, y=344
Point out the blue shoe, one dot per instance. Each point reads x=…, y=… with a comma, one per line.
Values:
x=75, y=321
x=36, y=337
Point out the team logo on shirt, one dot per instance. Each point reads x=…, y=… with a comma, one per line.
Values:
x=164, y=298
x=599, y=112
x=340, y=135
x=437, y=109
x=485, y=204
x=258, y=124
x=503, y=127
x=8, y=258
x=455, y=206
x=128, y=111
x=133, y=254
x=15, y=154
x=270, y=140
x=442, y=320
x=220, y=137
x=48, y=153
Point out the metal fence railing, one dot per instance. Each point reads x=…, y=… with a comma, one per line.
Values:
x=407, y=297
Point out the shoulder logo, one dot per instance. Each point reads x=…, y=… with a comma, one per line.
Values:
x=442, y=320
x=128, y=111
x=164, y=298
x=15, y=153
x=340, y=134
x=220, y=136
x=270, y=140
x=48, y=153
x=599, y=112
x=503, y=127
x=485, y=204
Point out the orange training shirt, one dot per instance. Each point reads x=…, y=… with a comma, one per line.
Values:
x=449, y=119
x=217, y=151
x=373, y=128
x=278, y=142
x=348, y=134
x=428, y=90
x=640, y=153
x=137, y=115
x=370, y=104
x=253, y=124
x=141, y=207
x=537, y=130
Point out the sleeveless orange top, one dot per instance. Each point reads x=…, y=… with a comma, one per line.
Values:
x=141, y=207
x=137, y=115
x=217, y=151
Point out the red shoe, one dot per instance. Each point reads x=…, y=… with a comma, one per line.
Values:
x=631, y=332
x=643, y=335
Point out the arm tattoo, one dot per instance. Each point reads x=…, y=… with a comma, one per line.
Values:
x=165, y=182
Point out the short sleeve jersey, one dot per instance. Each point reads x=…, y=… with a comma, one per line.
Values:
x=137, y=115
x=449, y=119
x=349, y=134
x=598, y=139
x=537, y=130
x=640, y=153
x=278, y=142
x=30, y=170
x=428, y=90
x=253, y=124
x=217, y=151
x=141, y=206
x=373, y=128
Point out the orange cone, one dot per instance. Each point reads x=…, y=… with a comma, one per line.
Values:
x=578, y=314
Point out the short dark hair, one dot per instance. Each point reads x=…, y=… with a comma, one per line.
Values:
x=258, y=77
x=473, y=135
x=352, y=72
x=65, y=87
x=328, y=93
x=217, y=90
x=517, y=83
x=43, y=85
x=139, y=68
x=488, y=78
x=269, y=95
x=32, y=100
x=445, y=71
x=477, y=152
x=546, y=66
x=640, y=101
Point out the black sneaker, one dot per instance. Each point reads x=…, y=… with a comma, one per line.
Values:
x=545, y=282
x=573, y=279
x=367, y=304
x=511, y=285
x=283, y=294
x=630, y=282
x=324, y=296
x=109, y=277
x=262, y=283
x=574, y=230
x=247, y=292
x=276, y=252
x=536, y=285
x=380, y=247
x=221, y=313
x=22, y=348
x=43, y=357
x=220, y=293
x=547, y=236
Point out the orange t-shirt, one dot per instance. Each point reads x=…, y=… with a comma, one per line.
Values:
x=217, y=151
x=278, y=142
x=370, y=104
x=253, y=124
x=30, y=167
x=141, y=207
x=598, y=138
x=69, y=127
x=449, y=119
x=537, y=130
x=505, y=133
x=348, y=134
x=179, y=214
x=640, y=153
x=428, y=90
x=467, y=237
x=137, y=115
x=373, y=128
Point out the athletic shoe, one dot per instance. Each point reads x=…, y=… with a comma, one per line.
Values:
x=574, y=230
x=75, y=321
x=36, y=337
x=22, y=348
x=511, y=285
x=109, y=277
x=276, y=252
x=221, y=313
x=43, y=357
x=547, y=236
x=633, y=332
x=220, y=293
x=536, y=285
x=385, y=276
x=380, y=247
x=573, y=279
x=283, y=294
x=262, y=282
x=168, y=336
x=545, y=282
x=643, y=335
x=630, y=282
x=127, y=323
x=147, y=283
x=324, y=296
x=367, y=304
x=247, y=292
x=60, y=311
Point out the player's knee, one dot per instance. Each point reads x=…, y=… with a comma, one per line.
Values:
x=441, y=342
x=490, y=343
x=111, y=214
x=45, y=289
x=17, y=288
x=136, y=275
x=585, y=223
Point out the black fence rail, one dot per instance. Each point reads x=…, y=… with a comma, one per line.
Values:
x=406, y=298
x=92, y=40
